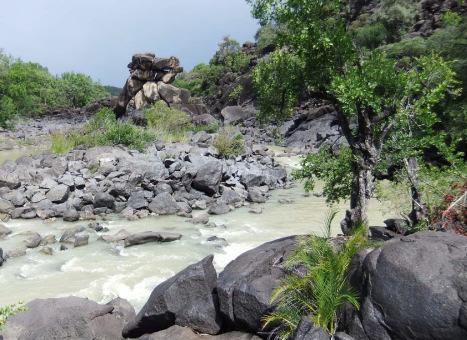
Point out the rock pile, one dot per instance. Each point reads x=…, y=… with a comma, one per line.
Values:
x=150, y=81
x=165, y=180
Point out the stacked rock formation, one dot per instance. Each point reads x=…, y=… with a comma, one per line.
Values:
x=149, y=81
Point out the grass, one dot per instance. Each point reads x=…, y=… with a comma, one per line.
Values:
x=321, y=291
x=103, y=129
x=229, y=143
x=10, y=310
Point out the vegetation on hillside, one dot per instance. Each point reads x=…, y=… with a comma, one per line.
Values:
x=388, y=108
x=28, y=88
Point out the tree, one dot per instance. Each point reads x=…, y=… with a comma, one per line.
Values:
x=79, y=89
x=278, y=82
x=376, y=99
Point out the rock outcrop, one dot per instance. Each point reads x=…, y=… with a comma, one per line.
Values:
x=67, y=318
x=183, y=333
x=188, y=299
x=412, y=288
x=146, y=68
x=246, y=284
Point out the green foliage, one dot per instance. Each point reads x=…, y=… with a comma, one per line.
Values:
x=278, y=81
x=30, y=89
x=315, y=30
x=370, y=36
x=267, y=37
x=80, y=90
x=204, y=79
x=451, y=18
x=102, y=129
x=169, y=124
x=322, y=290
x=236, y=92
x=113, y=90
x=332, y=167
x=228, y=142
x=10, y=310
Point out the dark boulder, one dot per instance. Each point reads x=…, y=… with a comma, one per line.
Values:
x=71, y=215
x=33, y=240
x=208, y=177
x=188, y=299
x=58, y=193
x=150, y=236
x=163, y=204
x=70, y=233
x=104, y=200
x=2, y=259
x=235, y=114
x=67, y=318
x=413, y=287
x=219, y=208
x=306, y=330
x=246, y=284
x=184, y=333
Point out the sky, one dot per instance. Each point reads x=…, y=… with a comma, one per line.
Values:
x=98, y=37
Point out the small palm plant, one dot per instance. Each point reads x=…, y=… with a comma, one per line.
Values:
x=317, y=286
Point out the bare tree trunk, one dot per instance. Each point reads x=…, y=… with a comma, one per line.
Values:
x=362, y=189
x=419, y=211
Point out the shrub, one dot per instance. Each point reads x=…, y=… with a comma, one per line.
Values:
x=451, y=18
x=10, y=310
x=102, y=129
x=278, y=81
x=370, y=36
x=318, y=291
x=167, y=123
x=229, y=143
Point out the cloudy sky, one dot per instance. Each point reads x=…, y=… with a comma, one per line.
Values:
x=98, y=37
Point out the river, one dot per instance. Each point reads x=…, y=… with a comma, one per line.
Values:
x=102, y=271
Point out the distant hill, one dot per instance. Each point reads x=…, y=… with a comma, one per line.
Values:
x=113, y=90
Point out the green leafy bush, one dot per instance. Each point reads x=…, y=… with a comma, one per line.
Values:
x=319, y=289
x=229, y=143
x=278, y=81
x=451, y=18
x=332, y=167
x=370, y=36
x=10, y=310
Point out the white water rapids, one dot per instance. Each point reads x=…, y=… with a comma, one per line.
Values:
x=102, y=271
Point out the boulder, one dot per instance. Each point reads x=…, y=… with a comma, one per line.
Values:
x=33, y=240
x=68, y=318
x=104, y=200
x=58, y=193
x=235, y=114
x=184, y=333
x=9, y=179
x=255, y=195
x=188, y=299
x=219, y=208
x=48, y=239
x=4, y=230
x=208, y=177
x=2, y=259
x=119, y=236
x=137, y=200
x=151, y=91
x=306, y=330
x=246, y=284
x=15, y=253
x=413, y=287
x=204, y=119
x=70, y=233
x=71, y=215
x=173, y=95
x=150, y=236
x=163, y=204
x=6, y=207
x=81, y=239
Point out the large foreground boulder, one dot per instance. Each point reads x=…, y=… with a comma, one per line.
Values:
x=69, y=318
x=208, y=177
x=414, y=288
x=188, y=299
x=246, y=284
x=183, y=333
